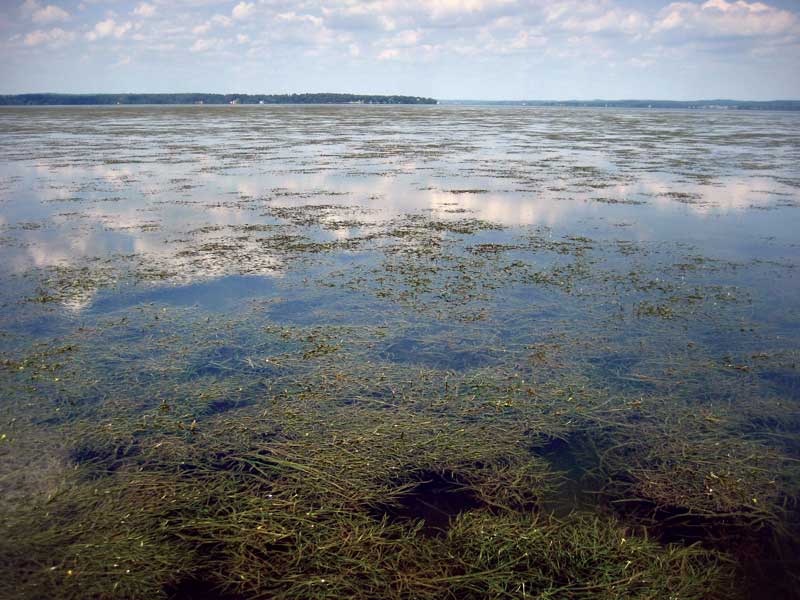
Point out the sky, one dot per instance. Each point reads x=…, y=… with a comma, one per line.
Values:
x=446, y=49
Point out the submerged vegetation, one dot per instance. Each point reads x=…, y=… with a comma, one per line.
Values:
x=292, y=461
x=290, y=387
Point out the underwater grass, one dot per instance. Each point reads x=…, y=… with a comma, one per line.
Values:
x=251, y=512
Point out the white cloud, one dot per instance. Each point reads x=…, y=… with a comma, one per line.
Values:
x=723, y=18
x=438, y=8
x=615, y=20
x=144, y=10
x=525, y=39
x=407, y=38
x=221, y=20
x=292, y=17
x=242, y=10
x=49, y=14
x=53, y=37
x=410, y=14
x=34, y=10
x=109, y=28
x=201, y=29
x=507, y=22
x=206, y=45
x=34, y=38
x=389, y=54
x=593, y=17
x=387, y=23
x=393, y=44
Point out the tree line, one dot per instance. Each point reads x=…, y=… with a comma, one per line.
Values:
x=659, y=104
x=108, y=99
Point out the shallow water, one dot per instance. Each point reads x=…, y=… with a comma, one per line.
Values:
x=565, y=268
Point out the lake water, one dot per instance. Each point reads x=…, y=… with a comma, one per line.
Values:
x=320, y=351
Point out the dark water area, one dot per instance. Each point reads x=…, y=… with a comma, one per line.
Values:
x=399, y=352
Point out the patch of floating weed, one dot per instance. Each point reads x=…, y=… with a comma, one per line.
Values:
x=684, y=197
x=624, y=201
x=648, y=309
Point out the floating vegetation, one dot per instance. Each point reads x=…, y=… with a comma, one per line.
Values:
x=626, y=201
x=683, y=197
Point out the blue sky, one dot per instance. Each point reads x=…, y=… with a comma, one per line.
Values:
x=481, y=49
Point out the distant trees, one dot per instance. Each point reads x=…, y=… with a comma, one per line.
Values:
x=106, y=99
x=679, y=104
x=327, y=98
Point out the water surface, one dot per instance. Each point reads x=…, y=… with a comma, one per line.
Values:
x=608, y=295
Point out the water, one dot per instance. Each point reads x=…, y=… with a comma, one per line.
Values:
x=624, y=281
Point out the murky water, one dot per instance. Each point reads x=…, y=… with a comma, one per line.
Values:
x=611, y=295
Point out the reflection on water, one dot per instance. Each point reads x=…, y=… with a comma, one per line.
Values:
x=218, y=294
x=81, y=183
x=677, y=214
x=445, y=300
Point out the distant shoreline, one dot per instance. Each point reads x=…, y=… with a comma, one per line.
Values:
x=719, y=104
x=200, y=98
x=325, y=98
